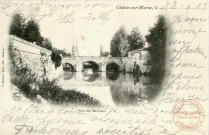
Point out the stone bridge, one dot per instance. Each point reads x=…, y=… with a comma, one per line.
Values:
x=102, y=63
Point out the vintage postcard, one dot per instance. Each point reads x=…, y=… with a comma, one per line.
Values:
x=104, y=67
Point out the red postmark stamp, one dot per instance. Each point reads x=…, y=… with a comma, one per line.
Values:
x=188, y=115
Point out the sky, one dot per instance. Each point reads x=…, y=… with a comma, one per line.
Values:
x=90, y=35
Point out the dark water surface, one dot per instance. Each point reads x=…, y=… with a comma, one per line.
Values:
x=115, y=89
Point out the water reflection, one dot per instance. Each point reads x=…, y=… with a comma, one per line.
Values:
x=136, y=78
x=68, y=75
x=113, y=88
x=90, y=77
x=133, y=90
x=112, y=75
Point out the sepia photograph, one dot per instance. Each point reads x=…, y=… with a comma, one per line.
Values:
x=125, y=70
x=104, y=67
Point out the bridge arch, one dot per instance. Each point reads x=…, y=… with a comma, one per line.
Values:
x=68, y=67
x=90, y=65
x=112, y=67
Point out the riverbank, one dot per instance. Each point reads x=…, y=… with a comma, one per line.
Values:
x=52, y=93
x=34, y=85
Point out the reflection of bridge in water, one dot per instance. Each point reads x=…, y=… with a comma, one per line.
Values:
x=103, y=79
x=105, y=83
x=118, y=87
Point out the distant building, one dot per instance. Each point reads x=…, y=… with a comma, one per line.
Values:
x=139, y=57
x=75, y=50
x=139, y=54
x=101, y=51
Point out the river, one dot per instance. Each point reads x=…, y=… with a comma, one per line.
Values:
x=115, y=89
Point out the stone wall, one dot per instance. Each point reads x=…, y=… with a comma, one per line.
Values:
x=35, y=57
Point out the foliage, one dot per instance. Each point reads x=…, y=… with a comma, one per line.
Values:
x=119, y=43
x=63, y=52
x=50, y=90
x=57, y=59
x=17, y=26
x=47, y=44
x=21, y=75
x=32, y=32
x=32, y=86
x=157, y=40
x=106, y=54
x=135, y=39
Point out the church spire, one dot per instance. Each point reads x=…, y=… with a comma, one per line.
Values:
x=77, y=47
x=73, y=49
x=101, y=50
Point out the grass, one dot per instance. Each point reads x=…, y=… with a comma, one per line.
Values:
x=31, y=85
x=49, y=90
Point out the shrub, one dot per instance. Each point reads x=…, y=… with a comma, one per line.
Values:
x=57, y=59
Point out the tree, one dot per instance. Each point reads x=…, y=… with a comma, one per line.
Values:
x=32, y=32
x=119, y=43
x=135, y=39
x=63, y=52
x=157, y=39
x=17, y=26
x=106, y=54
x=47, y=44
x=57, y=59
